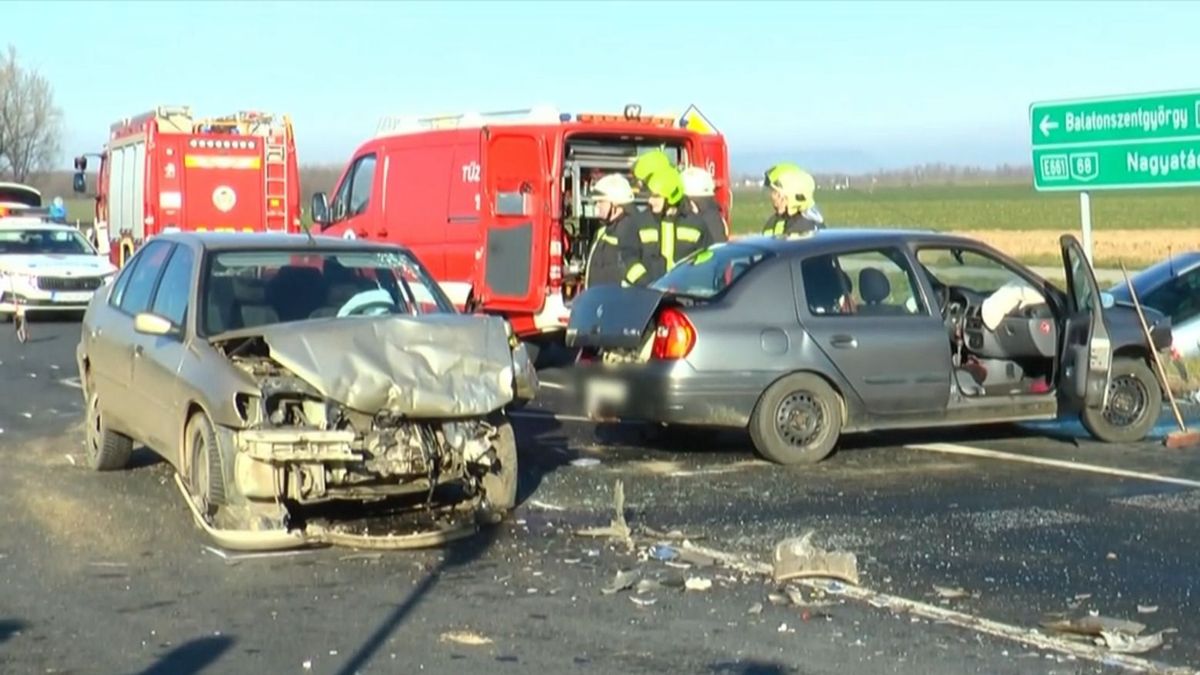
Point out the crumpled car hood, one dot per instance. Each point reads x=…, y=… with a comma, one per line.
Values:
x=436, y=365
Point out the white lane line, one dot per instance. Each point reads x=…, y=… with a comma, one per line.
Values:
x=552, y=385
x=943, y=615
x=952, y=449
x=71, y=382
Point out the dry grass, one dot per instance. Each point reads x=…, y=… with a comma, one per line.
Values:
x=1138, y=248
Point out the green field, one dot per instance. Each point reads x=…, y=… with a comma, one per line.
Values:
x=1137, y=227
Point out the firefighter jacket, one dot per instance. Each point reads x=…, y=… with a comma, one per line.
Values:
x=796, y=223
x=605, y=264
x=641, y=259
x=710, y=214
x=664, y=242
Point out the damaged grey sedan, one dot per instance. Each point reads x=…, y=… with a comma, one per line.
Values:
x=306, y=390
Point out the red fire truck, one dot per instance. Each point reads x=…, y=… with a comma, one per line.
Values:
x=166, y=170
x=496, y=204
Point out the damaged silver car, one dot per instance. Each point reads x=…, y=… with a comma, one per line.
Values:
x=286, y=378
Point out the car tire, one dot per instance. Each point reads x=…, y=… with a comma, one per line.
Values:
x=797, y=420
x=106, y=449
x=1134, y=404
x=500, y=485
x=206, y=480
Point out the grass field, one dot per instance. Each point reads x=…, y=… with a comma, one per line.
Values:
x=1138, y=227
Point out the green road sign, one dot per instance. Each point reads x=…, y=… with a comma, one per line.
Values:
x=1122, y=142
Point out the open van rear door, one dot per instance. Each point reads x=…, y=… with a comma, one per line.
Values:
x=1087, y=357
x=515, y=261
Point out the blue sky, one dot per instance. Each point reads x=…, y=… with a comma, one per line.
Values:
x=848, y=85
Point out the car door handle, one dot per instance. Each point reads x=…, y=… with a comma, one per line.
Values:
x=844, y=342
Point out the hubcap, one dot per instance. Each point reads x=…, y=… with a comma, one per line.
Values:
x=1127, y=399
x=800, y=419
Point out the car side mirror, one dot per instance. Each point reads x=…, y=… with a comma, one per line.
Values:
x=152, y=324
x=1107, y=300
x=320, y=208
x=79, y=183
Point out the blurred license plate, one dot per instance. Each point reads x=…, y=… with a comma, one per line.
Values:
x=607, y=391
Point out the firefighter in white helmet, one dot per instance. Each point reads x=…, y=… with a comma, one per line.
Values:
x=608, y=257
x=700, y=191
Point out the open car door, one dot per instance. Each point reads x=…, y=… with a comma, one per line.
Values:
x=1087, y=350
x=515, y=261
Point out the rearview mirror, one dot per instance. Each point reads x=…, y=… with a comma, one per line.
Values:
x=79, y=183
x=152, y=324
x=320, y=208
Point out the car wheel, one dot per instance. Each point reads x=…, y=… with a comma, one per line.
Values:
x=1134, y=404
x=106, y=449
x=797, y=420
x=205, y=478
x=500, y=484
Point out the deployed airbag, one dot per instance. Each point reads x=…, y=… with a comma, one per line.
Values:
x=436, y=365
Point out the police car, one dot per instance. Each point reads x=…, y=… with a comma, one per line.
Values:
x=47, y=267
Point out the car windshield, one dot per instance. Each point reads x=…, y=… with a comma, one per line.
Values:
x=43, y=241
x=252, y=289
x=710, y=271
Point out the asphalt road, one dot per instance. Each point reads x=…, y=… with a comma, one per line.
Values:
x=106, y=573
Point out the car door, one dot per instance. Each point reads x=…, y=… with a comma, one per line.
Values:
x=865, y=310
x=351, y=212
x=128, y=347
x=516, y=258
x=157, y=358
x=1087, y=349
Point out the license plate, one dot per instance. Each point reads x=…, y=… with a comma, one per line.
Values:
x=607, y=392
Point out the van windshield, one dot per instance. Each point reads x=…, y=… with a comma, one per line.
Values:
x=711, y=271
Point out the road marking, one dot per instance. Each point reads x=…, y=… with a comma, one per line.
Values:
x=71, y=382
x=521, y=414
x=943, y=615
x=952, y=449
x=552, y=385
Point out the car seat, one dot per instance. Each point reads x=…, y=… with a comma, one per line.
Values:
x=219, y=310
x=296, y=291
x=874, y=287
x=250, y=299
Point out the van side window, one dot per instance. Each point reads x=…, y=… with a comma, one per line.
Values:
x=354, y=194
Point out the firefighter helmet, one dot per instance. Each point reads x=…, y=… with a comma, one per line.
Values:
x=666, y=183
x=698, y=182
x=793, y=182
x=614, y=188
x=649, y=162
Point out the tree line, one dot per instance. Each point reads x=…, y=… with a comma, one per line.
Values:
x=30, y=122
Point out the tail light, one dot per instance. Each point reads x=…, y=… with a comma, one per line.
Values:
x=556, y=255
x=674, y=336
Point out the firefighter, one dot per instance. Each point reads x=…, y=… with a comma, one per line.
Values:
x=613, y=196
x=673, y=236
x=647, y=163
x=700, y=191
x=792, y=195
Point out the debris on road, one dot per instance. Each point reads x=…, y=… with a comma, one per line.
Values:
x=1123, y=643
x=1147, y=609
x=1093, y=626
x=799, y=558
x=948, y=593
x=585, y=462
x=663, y=553
x=756, y=608
x=544, y=506
x=618, y=528
x=466, y=637
x=624, y=580
x=642, y=602
x=697, y=584
x=673, y=535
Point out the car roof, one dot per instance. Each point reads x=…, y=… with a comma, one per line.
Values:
x=256, y=241
x=20, y=187
x=826, y=240
x=31, y=223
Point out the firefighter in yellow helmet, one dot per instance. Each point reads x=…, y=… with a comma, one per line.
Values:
x=675, y=235
x=700, y=190
x=613, y=196
x=793, y=198
x=647, y=163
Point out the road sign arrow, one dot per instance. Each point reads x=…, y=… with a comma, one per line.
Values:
x=1047, y=125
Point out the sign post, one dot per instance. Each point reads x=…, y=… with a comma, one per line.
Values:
x=1115, y=143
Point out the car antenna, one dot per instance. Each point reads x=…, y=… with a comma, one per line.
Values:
x=1170, y=262
x=308, y=231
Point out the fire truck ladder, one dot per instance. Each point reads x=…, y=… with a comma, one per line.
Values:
x=275, y=178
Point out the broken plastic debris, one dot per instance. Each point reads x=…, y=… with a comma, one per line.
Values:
x=1111, y=556
x=756, y=608
x=642, y=602
x=663, y=553
x=1123, y=643
x=1147, y=609
x=697, y=584
x=950, y=593
x=307, y=665
x=585, y=461
x=623, y=580
x=798, y=558
x=466, y=637
x=618, y=528
x=1094, y=625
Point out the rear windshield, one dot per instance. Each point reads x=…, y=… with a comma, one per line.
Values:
x=711, y=271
